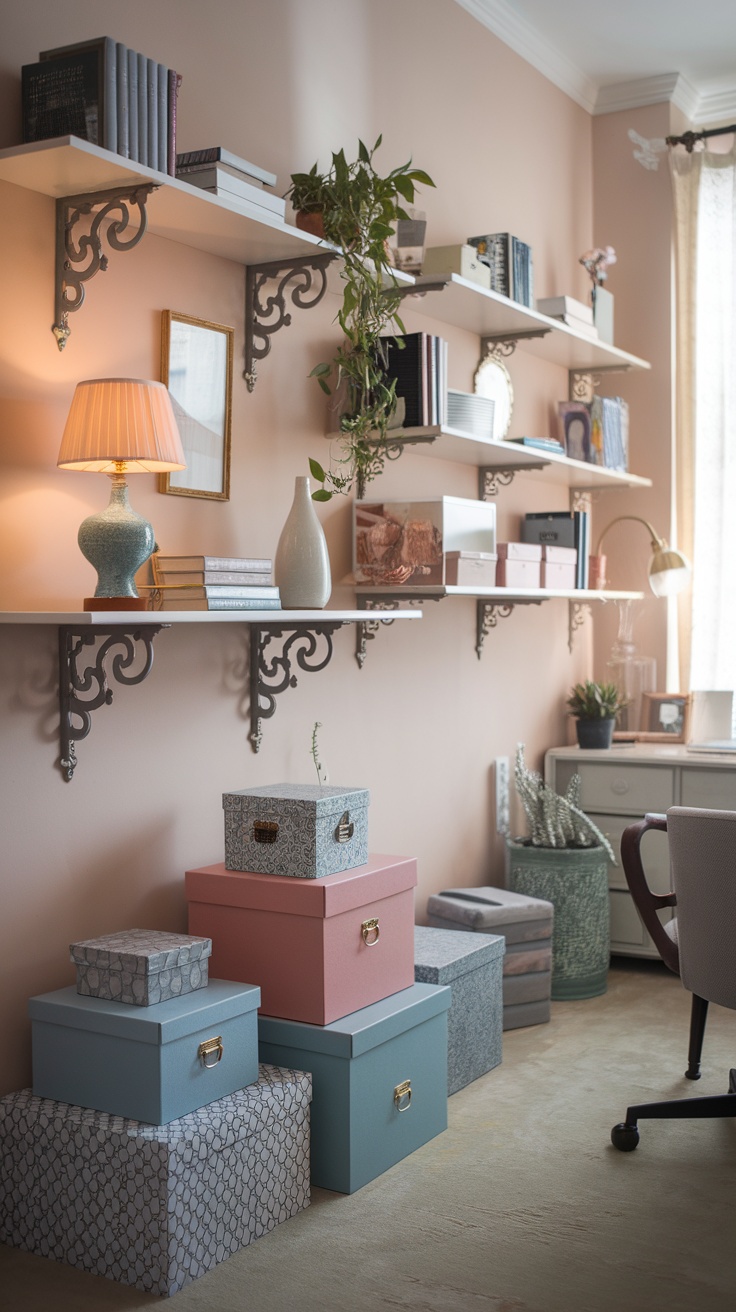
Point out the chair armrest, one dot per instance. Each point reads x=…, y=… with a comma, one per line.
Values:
x=648, y=903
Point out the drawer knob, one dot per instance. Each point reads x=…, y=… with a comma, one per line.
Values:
x=210, y=1052
x=371, y=931
x=345, y=828
x=402, y=1096
x=620, y=786
x=265, y=831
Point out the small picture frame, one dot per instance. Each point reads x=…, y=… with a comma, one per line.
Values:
x=664, y=717
x=197, y=368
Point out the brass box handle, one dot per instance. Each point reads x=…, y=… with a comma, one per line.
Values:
x=209, y=1049
x=265, y=831
x=371, y=931
x=345, y=828
x=402, y=1096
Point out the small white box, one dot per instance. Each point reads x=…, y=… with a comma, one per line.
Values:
x=462, y=260
x=519, y=565
x=565, y=307
x=467, y=569
x=404, y=543
x=558, y=567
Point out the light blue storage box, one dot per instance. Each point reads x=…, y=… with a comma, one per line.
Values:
x=151, y=1064
x=379, y=1080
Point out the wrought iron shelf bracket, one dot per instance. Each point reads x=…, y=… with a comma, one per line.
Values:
x=577, y=613
x=79, y=258
x=488, y=613
x=304, y=279
x=491, y=480
x=81, y=674
x=504, y=344
x=271, y=671
x=366, y=630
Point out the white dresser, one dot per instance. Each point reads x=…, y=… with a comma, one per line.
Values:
x=622, y=785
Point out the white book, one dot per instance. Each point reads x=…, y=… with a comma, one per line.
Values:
x=220, y=183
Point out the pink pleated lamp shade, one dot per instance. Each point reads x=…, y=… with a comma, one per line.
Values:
x=114, y=421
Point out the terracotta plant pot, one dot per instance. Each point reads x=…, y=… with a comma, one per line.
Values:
x=311, y=221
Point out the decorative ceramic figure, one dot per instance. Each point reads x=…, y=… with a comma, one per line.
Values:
x=302, y=563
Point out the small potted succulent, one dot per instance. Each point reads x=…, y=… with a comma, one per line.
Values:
x=355, y=208
x=595, y=707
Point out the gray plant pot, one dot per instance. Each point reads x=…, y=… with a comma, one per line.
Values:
x=595, y=733
x=575, y=881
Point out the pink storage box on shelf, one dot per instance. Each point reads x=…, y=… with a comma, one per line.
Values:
x=558, y=567
x=318, y=949
x=519, y=565
x=468, y=569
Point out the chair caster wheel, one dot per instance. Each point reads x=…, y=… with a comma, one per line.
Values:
x=625, y=1137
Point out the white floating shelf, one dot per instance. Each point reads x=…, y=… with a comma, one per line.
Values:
x=507, y=595
x=131, y=618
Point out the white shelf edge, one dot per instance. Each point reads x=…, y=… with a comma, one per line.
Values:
x=499, y=594
x=132, y=618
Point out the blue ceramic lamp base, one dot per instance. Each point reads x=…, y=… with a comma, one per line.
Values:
x=117, y=541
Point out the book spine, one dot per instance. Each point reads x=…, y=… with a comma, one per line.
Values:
x=123, y=90
x=152, y=101
x=243, y=603
x=174, y=82
x=244, y=591
x=201, y=578
x=133, y=104
x=162, y=117
x=110, y=96
x=142, y=109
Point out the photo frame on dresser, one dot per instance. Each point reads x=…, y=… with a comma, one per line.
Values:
x=197, y=368
x=664, y=717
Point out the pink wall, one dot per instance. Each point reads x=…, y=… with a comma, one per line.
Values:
x=281, y=83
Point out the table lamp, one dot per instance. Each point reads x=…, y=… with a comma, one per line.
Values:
x=669, y=570
x=118, y=426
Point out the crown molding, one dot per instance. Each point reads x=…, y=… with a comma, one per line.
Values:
x=641, y=91
x=516, y=32
x=716, y=106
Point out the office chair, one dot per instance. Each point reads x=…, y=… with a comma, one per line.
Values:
x=697, y=944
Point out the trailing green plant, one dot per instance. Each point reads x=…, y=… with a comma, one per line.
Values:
x=556, y=821
x=321, y=772
x=360, y=210
x=595, y=701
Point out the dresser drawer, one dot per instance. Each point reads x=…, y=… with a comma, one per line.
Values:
x=628, y=935
x=710, y=788
x=654, y=852
x=630, y=790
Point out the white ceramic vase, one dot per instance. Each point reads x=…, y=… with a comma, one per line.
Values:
x=302, y=564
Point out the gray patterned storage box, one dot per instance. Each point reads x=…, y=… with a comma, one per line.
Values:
x=302, y=830
x=154, y=1206
x=141, y=966
x=473, y=969
x=526, y=924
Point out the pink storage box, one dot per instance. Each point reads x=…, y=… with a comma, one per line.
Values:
x=519, y=565
x=318, y=949
x=558, y=566
x=467, y=569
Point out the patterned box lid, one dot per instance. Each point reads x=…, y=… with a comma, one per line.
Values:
x=317, y=799
x=140, y=951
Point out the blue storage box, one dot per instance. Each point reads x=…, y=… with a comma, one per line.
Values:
x=379, y=1082
x=154, y=1206
x=473, y=967
x=149, y=1063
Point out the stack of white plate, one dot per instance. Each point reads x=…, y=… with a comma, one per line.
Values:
x=470, y=413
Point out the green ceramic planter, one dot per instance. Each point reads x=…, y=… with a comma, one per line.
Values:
x=575, y=881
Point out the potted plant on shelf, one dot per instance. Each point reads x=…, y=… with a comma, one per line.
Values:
x=595, y=707
x=564, y=860
x=358, y=209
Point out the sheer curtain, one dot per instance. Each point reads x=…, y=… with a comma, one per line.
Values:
x=705, y=212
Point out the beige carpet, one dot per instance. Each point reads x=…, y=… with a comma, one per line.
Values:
x=521, y=1206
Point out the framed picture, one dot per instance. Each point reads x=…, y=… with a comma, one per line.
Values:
x=663, y=717
x=197, y=367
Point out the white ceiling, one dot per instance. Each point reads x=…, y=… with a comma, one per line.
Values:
x=616, y=54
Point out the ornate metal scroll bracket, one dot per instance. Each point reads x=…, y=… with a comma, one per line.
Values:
x=80, y=675
x=366, y=630
x=577, y=613
x=304, y=279
x=271, y=671
x=79, y=258
x=490, y=481
x=488, y=614
x=504, y=344
x=581, y=499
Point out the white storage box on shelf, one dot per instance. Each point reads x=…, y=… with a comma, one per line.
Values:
x=154, y=1206
x=558, y=567
x=462, y=260
x=519, y=565
x=405, y=543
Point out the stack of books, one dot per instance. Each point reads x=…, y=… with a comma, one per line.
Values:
x=103, y=92
x=221, y=173
x=418, y=362
x=541, y=444
x=213, y=583
x=574, y=313
x=510, y=263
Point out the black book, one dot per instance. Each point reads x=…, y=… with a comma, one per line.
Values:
x=408, y=365
x=72, y=91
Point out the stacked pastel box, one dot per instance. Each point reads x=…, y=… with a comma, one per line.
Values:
x=327, y=931
x=146, y=1080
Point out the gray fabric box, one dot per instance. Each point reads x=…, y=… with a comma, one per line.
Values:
x=149, y=1205
x=305, y=831
x=526, y=923
x=473, y=969
x=141, y=967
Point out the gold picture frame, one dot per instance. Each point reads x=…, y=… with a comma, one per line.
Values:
x=660, y=709
x=197, y=368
